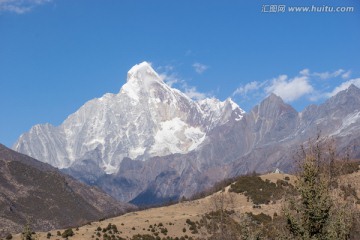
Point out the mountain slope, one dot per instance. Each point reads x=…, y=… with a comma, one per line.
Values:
x=337, y=118
x=37, y=192
x=146, y=118
x=175, y=217
x=266, y=138
x=151, y=143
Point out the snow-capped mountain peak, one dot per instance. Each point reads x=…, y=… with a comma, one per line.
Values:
x=146, y=118
x=142, y=72
x=233, y=105
x=141, y=78
x=183, y=146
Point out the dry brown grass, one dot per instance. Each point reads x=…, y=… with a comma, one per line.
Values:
x=174, y=217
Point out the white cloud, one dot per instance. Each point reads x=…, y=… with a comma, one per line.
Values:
x=167, y=75
x=290, y=89
x=193, y=93
x=305, y=84
x=200, y=68
x=20, y=6
x=251, y=86
x=344, y=86
x=166, y=68
x=305, y=72
x=328, y=75
x=170, y=79
x=346, y=75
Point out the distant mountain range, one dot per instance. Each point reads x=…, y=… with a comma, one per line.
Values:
x=37, y=193
x=150, y=143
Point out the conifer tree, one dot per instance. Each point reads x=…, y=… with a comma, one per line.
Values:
x=317, y=213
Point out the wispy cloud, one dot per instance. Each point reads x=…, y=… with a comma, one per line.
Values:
x=20, y=6
x=199, y=67
x=171, y=78
x=251, y=86
x=305, y=72
x=310, y=85
x=346, y=74
x=165, y=68
x=193, y=93
x=167, y=74
x=326, y=75
x=344, y=86
x=290, y=89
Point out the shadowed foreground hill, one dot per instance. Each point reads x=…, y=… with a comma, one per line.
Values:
x=248, y=205
x=184, y=220
x=40, y=194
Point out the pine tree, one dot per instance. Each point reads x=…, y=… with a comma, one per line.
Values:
x=317, y=213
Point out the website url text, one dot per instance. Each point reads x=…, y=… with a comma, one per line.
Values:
x=304, y=9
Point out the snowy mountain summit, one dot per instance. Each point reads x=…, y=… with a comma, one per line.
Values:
x=150, y=143
x=146, y=118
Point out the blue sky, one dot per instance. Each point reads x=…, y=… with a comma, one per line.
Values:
x=57, y=54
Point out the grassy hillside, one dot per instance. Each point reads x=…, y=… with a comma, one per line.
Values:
x=35, y=192
x=254, y=201
x=188, y=219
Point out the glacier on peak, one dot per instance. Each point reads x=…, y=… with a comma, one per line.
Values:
x=142, y=80
x=146, y=118
x=141, y=70
x=176, y=136
x=222, y=140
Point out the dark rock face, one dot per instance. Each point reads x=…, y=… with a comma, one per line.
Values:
x=37, y=192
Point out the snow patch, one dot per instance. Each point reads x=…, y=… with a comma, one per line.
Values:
x=146, y=118
x=143, y=68
x=175, y=136
x=239, y=116
x=110, y=169
x=131, y=91
x=196, y=135
x=233, y=105
x=352, y=118
x=135, y=152
x=346, y=128
x=95, y=141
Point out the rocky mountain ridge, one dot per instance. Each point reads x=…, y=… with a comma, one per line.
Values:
x=146, y=118
x=166, y=145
